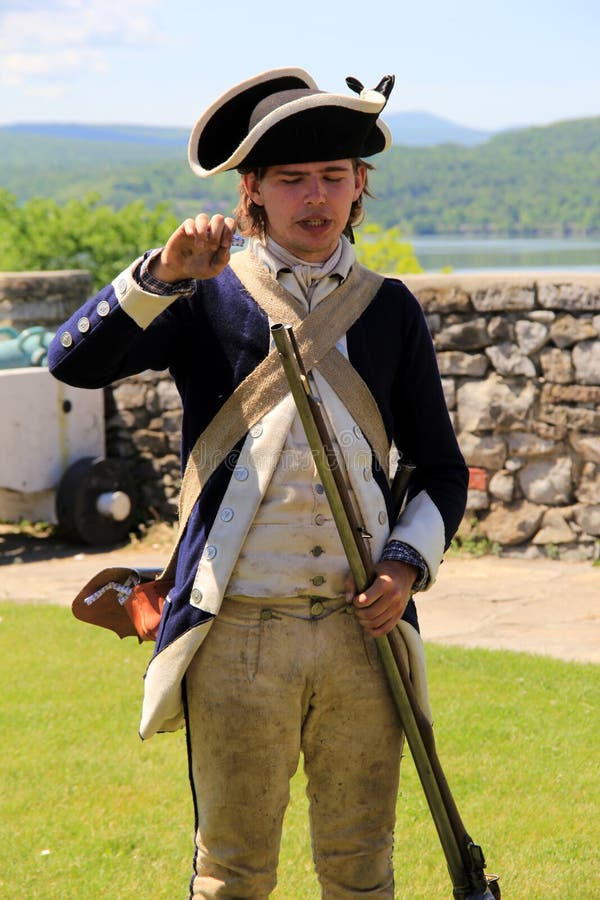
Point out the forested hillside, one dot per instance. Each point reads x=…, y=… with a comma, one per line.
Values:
x=530, y=181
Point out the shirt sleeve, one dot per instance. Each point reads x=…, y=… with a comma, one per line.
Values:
x=149, y=282
x=397, y=551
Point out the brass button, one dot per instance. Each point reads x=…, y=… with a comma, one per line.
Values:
x=317, y=608
x=83, y=324
x=316, y=551
x=66, y=339
x=266, y=614
x=103, y=308
x=319, y=519
x=318, y=580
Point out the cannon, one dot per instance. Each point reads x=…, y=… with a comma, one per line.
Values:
x=53, y=466
x=24, y=349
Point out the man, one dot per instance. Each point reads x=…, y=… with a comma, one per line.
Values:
x=263, y=646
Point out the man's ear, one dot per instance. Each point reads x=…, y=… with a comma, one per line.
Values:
x=252, y=187
x=360, y=177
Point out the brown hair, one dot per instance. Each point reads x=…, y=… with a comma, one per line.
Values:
x=252, y=220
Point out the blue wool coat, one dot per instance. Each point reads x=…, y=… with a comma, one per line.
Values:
x=210, y=341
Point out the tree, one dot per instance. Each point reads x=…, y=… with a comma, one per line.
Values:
x=385, y=251
x=81, y=234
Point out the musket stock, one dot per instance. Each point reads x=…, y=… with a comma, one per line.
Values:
x=464, y=858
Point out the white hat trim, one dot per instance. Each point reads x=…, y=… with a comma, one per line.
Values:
x=372, y=103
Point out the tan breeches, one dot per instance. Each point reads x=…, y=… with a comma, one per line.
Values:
x=269, y=682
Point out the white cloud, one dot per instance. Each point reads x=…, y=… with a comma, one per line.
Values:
x=65, y=36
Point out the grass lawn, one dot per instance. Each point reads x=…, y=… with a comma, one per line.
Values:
x=89, y=811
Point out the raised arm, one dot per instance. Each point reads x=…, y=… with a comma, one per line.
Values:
x=198, y=249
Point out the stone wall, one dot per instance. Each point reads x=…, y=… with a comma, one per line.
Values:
x=41, y=298
x=519, y=355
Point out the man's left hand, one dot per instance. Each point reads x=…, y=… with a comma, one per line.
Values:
x=381, y=606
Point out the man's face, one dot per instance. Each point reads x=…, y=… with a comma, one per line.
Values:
x=307, y=205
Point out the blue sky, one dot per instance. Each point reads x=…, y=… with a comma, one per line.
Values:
x=160, y=62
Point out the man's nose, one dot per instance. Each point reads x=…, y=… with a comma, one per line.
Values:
x=315, y=191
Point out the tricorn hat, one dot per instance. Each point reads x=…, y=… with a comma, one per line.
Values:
x=281, y=117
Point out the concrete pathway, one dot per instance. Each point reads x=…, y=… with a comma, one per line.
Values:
x=537, y=606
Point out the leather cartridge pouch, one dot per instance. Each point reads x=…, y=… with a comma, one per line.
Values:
x=124, y=600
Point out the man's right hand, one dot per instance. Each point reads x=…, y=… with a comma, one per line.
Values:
x=199, y=248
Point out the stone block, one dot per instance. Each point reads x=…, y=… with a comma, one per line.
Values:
x=508, y=360
x=502, y=486
x=129, y=395
x=470, y=365
x=586, y=360
x=531, y=336
x=573, y=393
x=449, y=388
x=586, y=447
x=41, y=298
x=588, y=519
x=512, y=524
x=492, y=404
x=588, y=489
x=568, y=330
x=483, y=451
x=547, y=481
x=567, y=295
x=557, y=365
x=443, y=300
x=554, y=529
x=501, y=329
x=477, y=500
x=527, y=444
x=465, y=336
x=167, y=394
x=504, y=298
x=569, y=418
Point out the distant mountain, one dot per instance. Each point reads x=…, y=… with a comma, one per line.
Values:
x=128, y=134
x=414, y=129
x=422, y=129
x=539, y=180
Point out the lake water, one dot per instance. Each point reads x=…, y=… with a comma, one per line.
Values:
x=480, y=254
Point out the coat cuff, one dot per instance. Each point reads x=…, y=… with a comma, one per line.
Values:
x=421, y=527
x=140, y=305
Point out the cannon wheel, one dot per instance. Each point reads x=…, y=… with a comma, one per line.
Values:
x=80, y=488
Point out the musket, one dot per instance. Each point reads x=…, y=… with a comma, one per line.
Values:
x=464, y=858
